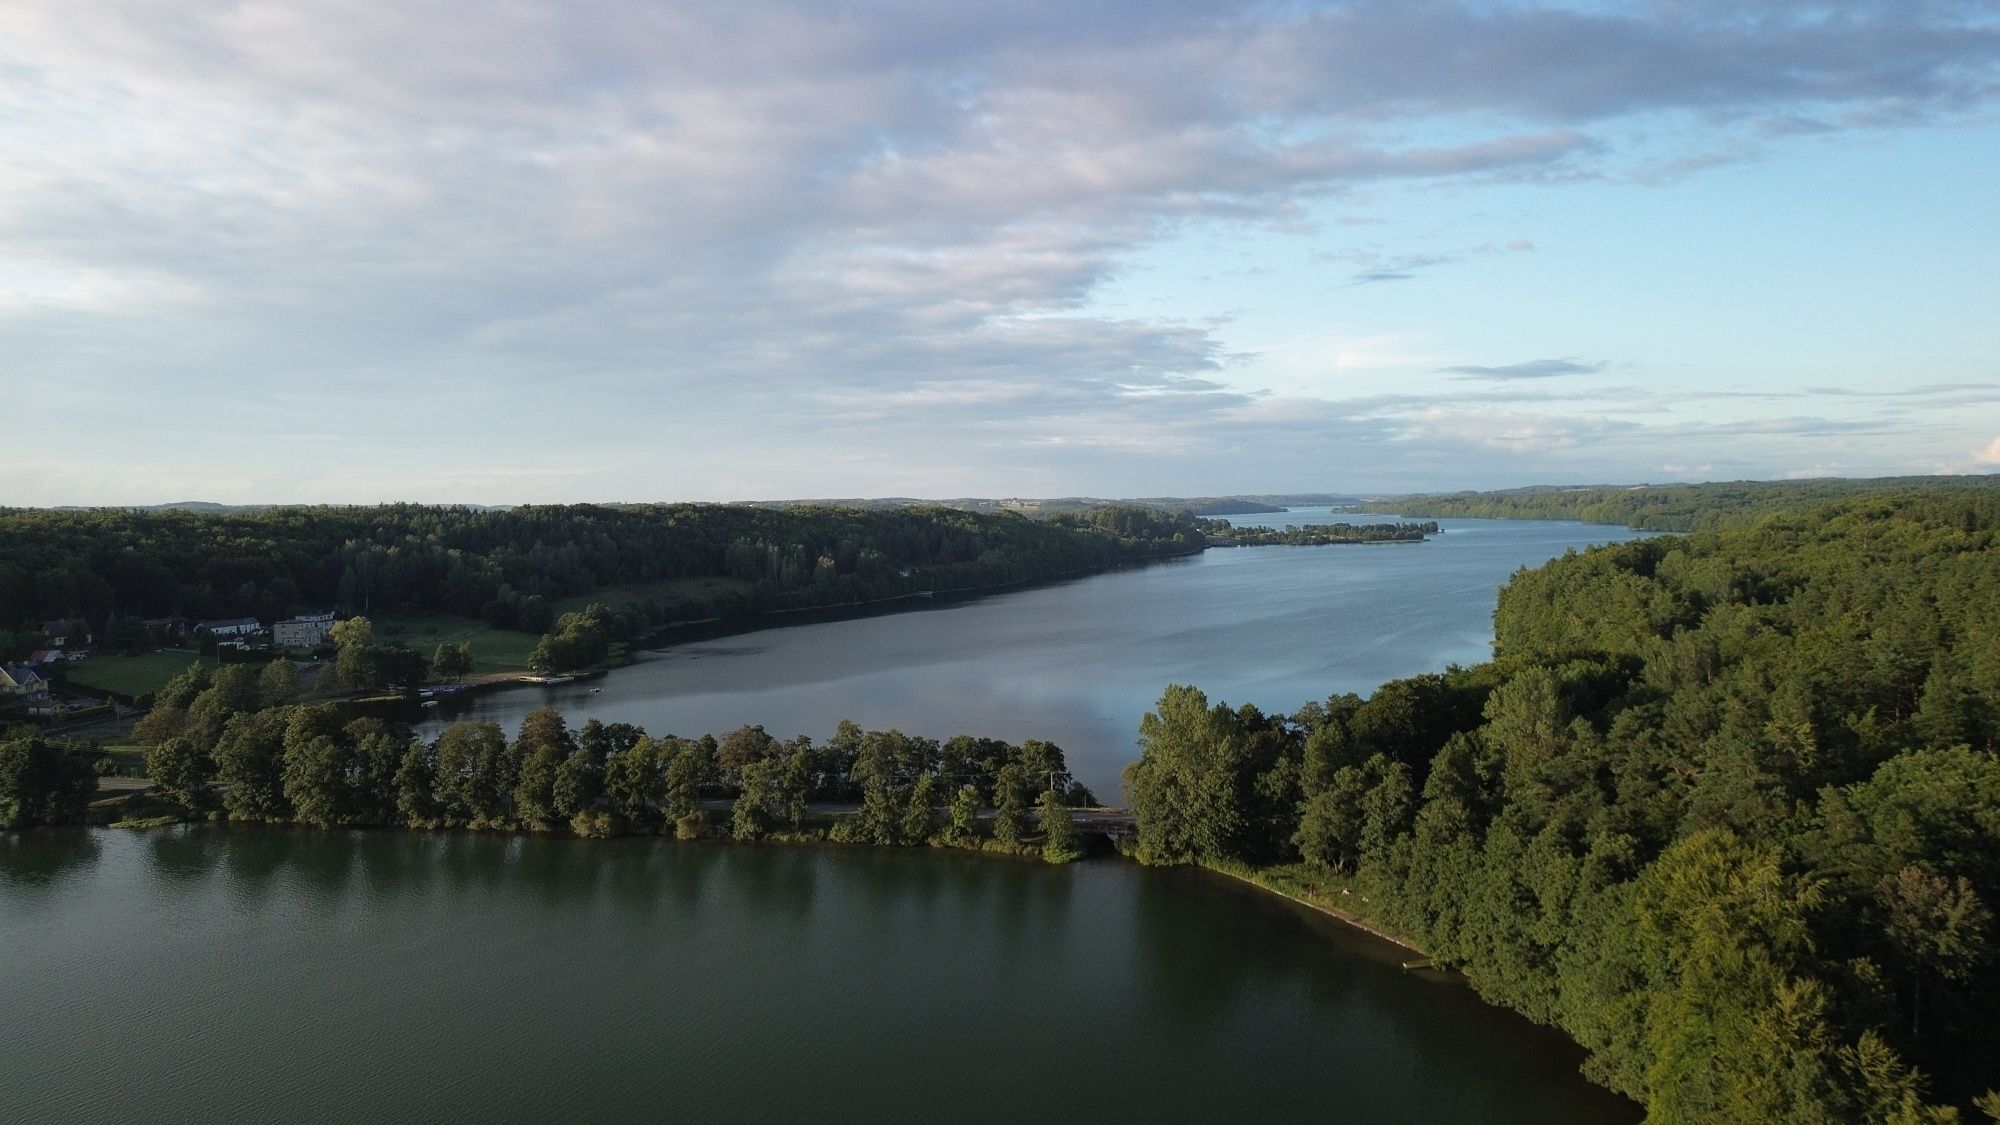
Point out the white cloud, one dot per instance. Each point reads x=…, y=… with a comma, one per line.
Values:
x=718, y=227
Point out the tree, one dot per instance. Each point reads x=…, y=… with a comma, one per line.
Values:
x=1060, y=843
x=233, y=690
x=579, y=782
x=1329, y=832
x=181, y=771
x=541, y=750
x=352, y=639
x=880, y=819
x=317, y=770
x=1937, y=928
x=452, y=662
x=473, y=778
x=795, y=783
x=41, y=783
x=159, y=724
x=635, y=782
x=1189, y=789
x=739, y=748
x=963, y=828
x=249, y=764
x=751, y=817
x=1010, y=804
x=416, y=788
x=688, y=769
x=181, y=691
x=919, y=818
x=278, y=683
x=355, y=632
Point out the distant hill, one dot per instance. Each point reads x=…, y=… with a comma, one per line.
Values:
x=1666, y=507
x=1195, y=505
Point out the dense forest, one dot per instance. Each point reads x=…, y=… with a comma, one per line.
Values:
x=229, y=743
x=1726, y=808
x=1670, y=507
x=107, y=565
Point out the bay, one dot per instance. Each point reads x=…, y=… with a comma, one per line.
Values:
x=210, y=973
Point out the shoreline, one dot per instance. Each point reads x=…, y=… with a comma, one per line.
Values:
x=711, y=628
x=1249, y=877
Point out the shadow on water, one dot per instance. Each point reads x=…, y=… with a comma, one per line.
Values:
x=39, y=856
x=680, y=636
x=779, y=880
x=759, y=979
x=185, y=853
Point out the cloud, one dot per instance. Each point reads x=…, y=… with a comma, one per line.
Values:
x=1381, y=266
x=718, y=225
x=1989, y=455
x=1530, y=369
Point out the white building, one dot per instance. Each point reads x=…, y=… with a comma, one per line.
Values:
x=308, y=630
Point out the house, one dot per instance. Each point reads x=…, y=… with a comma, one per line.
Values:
x=65, y=632
x=308, y=630
x=230, y=627
x=22, y=684
x=43, y=657
x=161, y=629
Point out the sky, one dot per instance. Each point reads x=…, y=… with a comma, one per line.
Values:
x=297, y=251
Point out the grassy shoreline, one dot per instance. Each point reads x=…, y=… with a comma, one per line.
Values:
x=1288, y=883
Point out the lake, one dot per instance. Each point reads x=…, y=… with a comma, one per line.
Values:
x=215, y=973
x=208, y=973
x=1077, y=663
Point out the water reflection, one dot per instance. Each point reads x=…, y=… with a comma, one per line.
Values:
x=41, y=856
x=757, y=983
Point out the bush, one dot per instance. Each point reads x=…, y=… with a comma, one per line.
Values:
x=597, y=824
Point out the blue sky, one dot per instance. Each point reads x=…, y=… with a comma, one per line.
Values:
x=306, y=251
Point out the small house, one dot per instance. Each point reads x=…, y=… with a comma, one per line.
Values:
x=22, y=684
x=67, y=632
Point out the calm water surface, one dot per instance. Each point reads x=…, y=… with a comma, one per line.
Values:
x=217, y=974
x=1078, y=663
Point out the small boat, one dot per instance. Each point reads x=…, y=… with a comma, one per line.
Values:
x=595, y=690
x=430, y=703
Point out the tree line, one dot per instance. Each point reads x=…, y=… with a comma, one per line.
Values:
x=115, y=567
x=228, y=742
x=1670, y=507
x=1320, y=534
x=1726, y=808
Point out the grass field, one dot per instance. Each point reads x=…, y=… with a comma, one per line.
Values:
x=666, y=591
x=132, y=675
x=493, y=650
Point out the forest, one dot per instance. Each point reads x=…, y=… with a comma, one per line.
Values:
x=115, y=566
x=1669, y=507
x=1724, y=807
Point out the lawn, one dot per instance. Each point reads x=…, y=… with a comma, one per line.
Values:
x=493, y=650
x=132, y=676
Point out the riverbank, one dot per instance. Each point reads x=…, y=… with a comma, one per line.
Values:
x=1287, y=883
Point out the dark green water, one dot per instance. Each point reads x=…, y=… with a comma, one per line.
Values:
x=210, y=973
